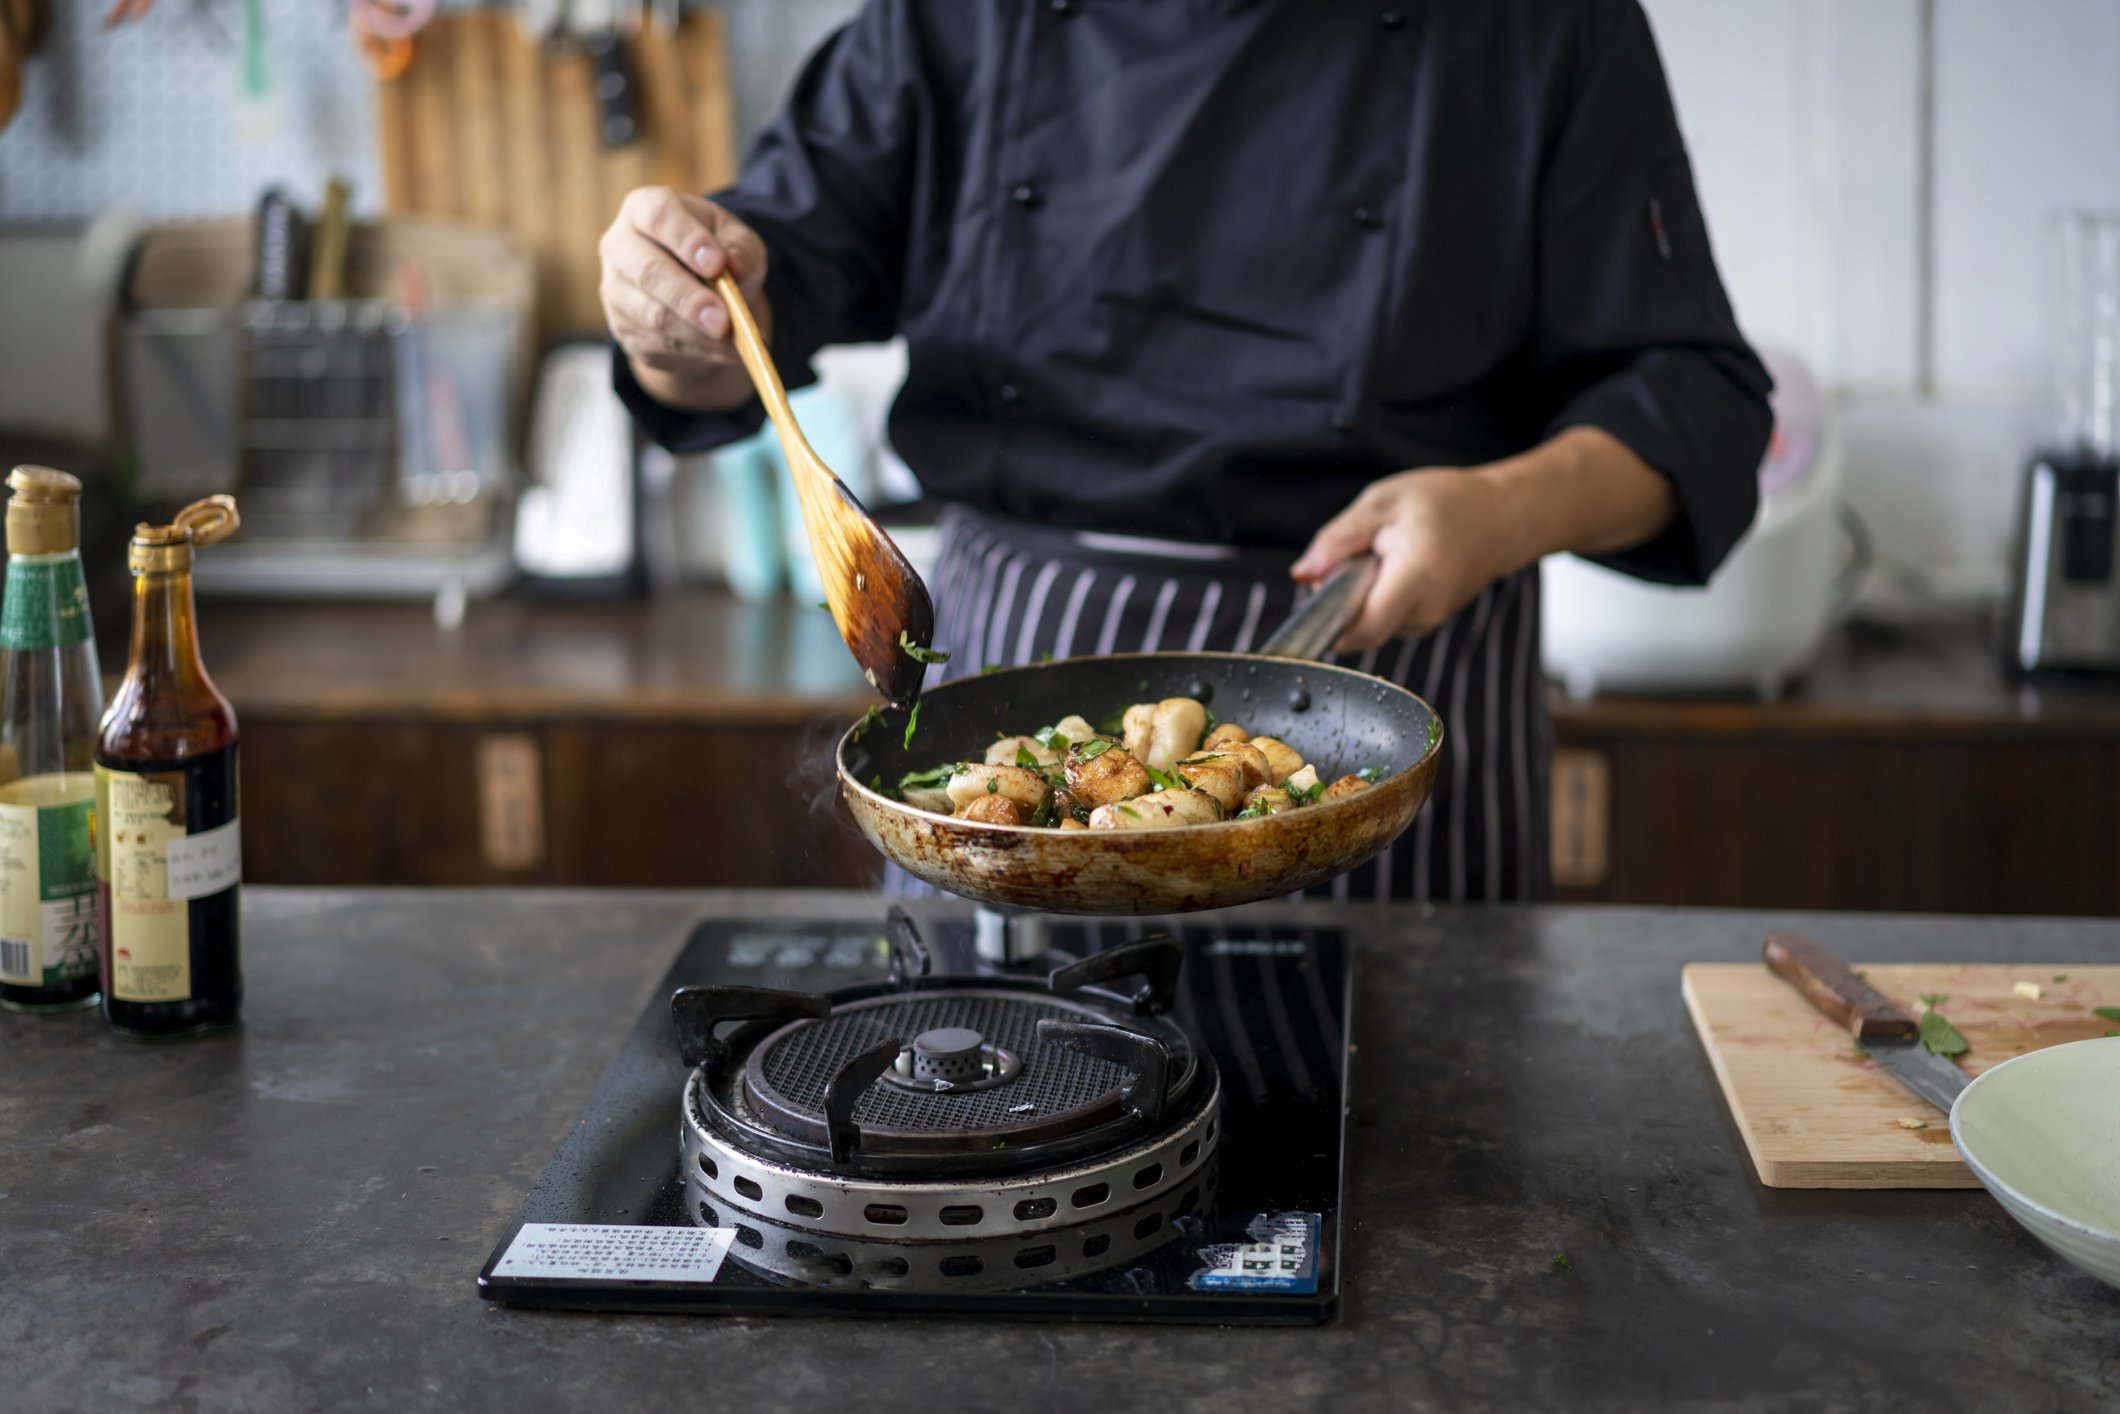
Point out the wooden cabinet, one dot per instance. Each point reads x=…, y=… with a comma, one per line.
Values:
x=1907, y=774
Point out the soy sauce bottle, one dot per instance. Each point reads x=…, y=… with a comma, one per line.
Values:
x=51, y=693
x=169, y=850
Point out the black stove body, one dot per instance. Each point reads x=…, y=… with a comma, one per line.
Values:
x=1145, y=1123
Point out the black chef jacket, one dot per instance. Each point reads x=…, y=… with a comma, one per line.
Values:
x=1202, y=270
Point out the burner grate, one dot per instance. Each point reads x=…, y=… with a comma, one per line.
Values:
x=1054, y=1079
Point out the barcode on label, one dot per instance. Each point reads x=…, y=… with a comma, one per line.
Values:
x=14, y=960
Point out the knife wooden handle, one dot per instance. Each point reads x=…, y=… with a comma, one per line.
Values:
x=1827, y=984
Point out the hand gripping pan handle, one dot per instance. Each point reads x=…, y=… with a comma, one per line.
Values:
x=1320, y=619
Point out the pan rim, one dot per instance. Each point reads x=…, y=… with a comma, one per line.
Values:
x=852, y=736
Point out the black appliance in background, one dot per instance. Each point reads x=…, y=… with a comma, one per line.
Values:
x=2065, y=601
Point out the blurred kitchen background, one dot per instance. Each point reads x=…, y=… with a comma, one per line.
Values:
x=476, y=634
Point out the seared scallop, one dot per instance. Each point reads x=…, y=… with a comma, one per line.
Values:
x=1162, y=811
x=1282, y=760
x=1344, y=787
x=1026, y=788
x=1097, y=777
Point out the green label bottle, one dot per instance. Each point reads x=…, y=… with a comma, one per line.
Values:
x=51, y=695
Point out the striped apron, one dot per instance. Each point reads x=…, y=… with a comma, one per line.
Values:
x=1009, y=592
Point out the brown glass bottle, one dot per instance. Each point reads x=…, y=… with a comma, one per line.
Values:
x=168, y=848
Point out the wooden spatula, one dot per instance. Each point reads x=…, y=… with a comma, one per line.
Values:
x=877, y=600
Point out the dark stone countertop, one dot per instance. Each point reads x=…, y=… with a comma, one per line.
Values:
x=291, y=1217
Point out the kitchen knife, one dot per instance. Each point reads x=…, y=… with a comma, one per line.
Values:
x=1885, y=1034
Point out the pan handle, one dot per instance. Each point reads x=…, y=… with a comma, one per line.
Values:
x=1321, y=618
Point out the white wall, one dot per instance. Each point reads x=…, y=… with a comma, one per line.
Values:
x=1806, y=123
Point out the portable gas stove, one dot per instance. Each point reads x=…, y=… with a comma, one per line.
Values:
x=1135, y=1125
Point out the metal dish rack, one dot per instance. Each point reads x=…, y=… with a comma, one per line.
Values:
x=372, y=445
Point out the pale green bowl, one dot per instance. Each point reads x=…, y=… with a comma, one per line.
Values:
x=2042, y=1131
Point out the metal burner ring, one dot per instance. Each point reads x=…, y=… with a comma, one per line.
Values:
x=902, y=1210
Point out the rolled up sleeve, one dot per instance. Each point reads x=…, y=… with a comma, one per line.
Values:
x=1635, y=335
x=827, y=187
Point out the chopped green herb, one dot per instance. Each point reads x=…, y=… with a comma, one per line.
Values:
x=1932, y=1000
x=1091, y=750
x=876, y=781
x=1026, y=759
x=824, y=606
x=1114, y=725
x=2110, y=1013
x=2110, y=1032
x=1940, y=1036
x=868, y=719
x=933, y=779
x=992, y=668
x=917, y=653
x=1304, y=795
x=2061, y=977
x=1051, y=738
x=1208, y=729
x=1435, y=731
x=1128, y=811
x=1166, y=780
x=1257, y=810
x=1046, y=657
x=1081, y=812
x=1043, y=816
x=1561, y=1261
x=1197, y=760
x=912, y=723
x=1373, y=774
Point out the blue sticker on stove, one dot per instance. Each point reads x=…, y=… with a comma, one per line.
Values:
x=1282, y=1256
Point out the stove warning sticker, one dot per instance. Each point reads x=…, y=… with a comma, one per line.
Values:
x=1282, y=1256
x=615, y=1252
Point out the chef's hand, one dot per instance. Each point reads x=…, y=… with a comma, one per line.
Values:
x=1441, y=534
x=659, y=258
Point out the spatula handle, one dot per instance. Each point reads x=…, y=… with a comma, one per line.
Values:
x=1827, y=983
x=758, y=362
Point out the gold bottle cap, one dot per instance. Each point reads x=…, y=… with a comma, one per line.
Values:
x=166, y=549
x=43, y=511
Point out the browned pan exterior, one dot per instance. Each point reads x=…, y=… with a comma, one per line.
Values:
x=1341, y=720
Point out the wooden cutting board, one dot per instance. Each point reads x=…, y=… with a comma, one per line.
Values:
x=1817, y=1113
x=492, y=127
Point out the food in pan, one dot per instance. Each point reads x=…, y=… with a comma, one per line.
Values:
x=1155, y=766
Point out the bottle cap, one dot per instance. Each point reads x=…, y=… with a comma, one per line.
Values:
x=166, y=549
x=43, y=511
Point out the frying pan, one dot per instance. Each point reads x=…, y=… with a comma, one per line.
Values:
x=1340, y=719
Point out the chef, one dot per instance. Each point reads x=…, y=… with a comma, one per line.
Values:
x=1203, y=296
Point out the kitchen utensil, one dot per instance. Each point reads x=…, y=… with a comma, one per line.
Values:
x=1340, y=718
x=2042, y=1133
x=1814, y=1112
x=1884, y=1033
x=876, y=597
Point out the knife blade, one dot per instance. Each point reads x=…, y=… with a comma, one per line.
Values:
x=1881, y=1030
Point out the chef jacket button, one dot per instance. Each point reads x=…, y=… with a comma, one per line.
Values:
x=1027, y=196
x=1009, y=393
x=1366, y=218
x=1390, y=19
x=1342, y=423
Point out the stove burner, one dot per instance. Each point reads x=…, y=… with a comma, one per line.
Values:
x=1019, y=1105
x=949, y=1059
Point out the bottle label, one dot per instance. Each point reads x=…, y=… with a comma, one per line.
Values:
x=154, y=866
x=46, y=602
x=48, y=926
